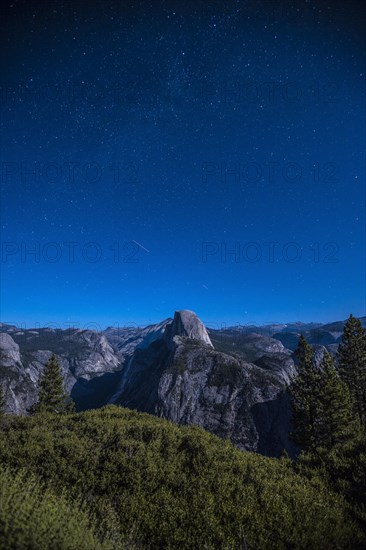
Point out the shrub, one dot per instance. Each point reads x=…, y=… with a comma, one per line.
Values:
x=177, y=487
x=32, y=516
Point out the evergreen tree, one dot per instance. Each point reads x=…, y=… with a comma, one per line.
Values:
x=303, y=392
x=337, y=425
x=322, y=406
x=352, y=364
x=304, y=353
x=51, y=393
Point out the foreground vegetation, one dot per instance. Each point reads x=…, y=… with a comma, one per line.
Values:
x=32, y=516
x=145, y=482
x=115, y=478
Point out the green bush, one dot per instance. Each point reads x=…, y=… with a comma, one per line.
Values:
x=32, y=516
x=158, y=485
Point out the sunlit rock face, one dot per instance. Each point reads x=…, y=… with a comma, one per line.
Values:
x=187, y=324
x=182, y=377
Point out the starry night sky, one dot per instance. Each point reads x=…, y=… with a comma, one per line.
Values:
x=158, y=137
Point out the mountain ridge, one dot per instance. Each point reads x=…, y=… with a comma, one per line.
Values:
x=231, y=382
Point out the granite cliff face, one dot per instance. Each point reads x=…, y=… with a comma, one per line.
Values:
x=181, y=377
x=231, y=382
x=16, y=380
x=85, y=357
x=186, y=324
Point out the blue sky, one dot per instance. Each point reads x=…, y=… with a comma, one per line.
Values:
x=142, y=145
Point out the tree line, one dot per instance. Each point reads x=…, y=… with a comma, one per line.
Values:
x=328, y=400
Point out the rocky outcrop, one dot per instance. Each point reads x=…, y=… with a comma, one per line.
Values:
x=227, y=396
x=9, y=350
x=16, y=378
x=186, y=324
x=181, y=377
x=85, y=357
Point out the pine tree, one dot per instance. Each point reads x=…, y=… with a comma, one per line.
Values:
x=322, y=406
x=51, y=394
x=352, y=364
x=337, y=425
x=303, y=391
x=304, y=353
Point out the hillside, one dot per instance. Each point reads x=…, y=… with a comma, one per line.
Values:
x=33, y=516
x=153, y=484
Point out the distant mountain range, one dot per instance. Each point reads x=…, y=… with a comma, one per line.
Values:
x=231, y=382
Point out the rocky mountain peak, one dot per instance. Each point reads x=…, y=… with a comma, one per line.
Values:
x=186, y=323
